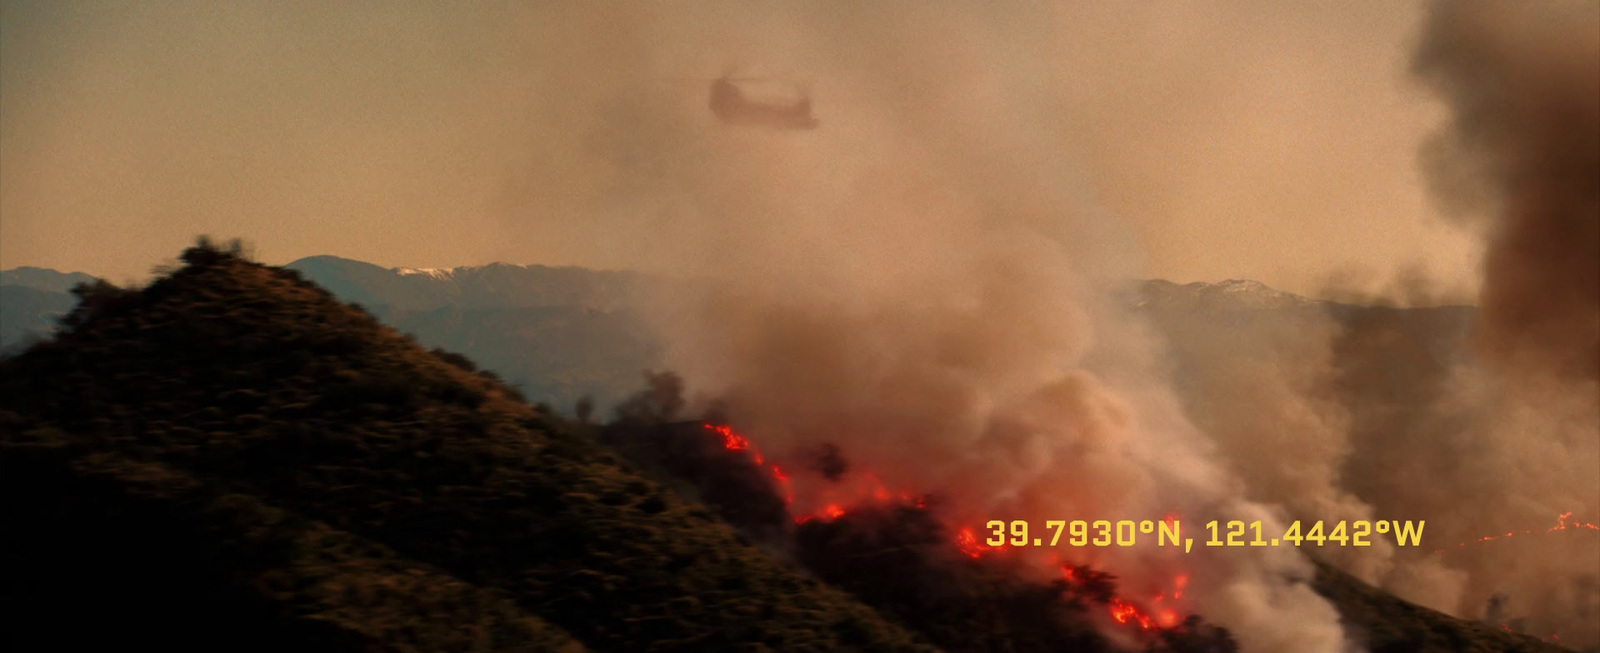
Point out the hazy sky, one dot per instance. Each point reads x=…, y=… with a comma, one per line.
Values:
x=1264, y=140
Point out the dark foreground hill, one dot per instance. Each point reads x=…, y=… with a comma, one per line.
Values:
x=1383, y=623
x=230, y=459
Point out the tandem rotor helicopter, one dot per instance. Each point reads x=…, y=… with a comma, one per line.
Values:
x=766, y=103
x=731, y=105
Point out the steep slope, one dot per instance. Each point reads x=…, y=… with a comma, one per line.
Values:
x=554, y=354
x=379, y=289
x=143, y=553
x=1383, y=623
x=279, y=450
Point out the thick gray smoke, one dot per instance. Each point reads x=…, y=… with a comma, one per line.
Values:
x=1479, y=423
x=1523, y=154
x=1520, y=159
x=926, y=282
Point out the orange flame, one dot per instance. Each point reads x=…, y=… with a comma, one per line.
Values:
x=867, y=486
x=871, y=487
x=1561, y=525
x=1125, y=612
x=732, y=441
x=968, y=543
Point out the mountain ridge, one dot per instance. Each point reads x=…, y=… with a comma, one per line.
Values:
x=495, y=285
x=269, y=394
x=47, y=279
x=564, y=334
x=328, y=477
x=361, y=282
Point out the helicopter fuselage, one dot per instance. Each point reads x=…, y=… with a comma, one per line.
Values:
x=729, y=104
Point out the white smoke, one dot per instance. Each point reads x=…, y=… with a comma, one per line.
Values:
x=926, y=282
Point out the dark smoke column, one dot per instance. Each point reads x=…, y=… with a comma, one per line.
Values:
x=1522, y=153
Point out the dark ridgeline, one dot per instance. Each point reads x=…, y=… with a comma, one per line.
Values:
x=231, y=459
x=558, y=333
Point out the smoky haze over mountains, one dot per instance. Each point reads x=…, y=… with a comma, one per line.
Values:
x=296, y=475
x=561, y=334
x=565, y=333
x=1251, y=139
x=1521, y=156
x=1241, y=314
x=932, y=287
x=935, y=280
x=493, y=286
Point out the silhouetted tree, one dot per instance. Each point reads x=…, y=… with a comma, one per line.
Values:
x=660, y=401
x=207, y=251
x=455, y=359
x=96, y=298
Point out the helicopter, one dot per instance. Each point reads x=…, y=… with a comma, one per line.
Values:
x=731, y=106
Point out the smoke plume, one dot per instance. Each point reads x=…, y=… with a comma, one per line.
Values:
x=1520, y=161
x=926, y=283
x=1523, y=154
x=1478, y=422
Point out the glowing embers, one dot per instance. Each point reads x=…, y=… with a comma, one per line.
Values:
x=836, y=498
x=1563, y=522
x=1167, y=617
x=851, y=491
x=732, y=441
x=841, y=496
x=969, y=544
x=1157, y=613
x=1157, y=616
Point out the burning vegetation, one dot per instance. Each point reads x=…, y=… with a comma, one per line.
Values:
x=446, y=513
x=891, y=547
x=894, y=548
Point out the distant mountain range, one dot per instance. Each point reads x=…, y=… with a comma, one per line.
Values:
x=31, y=300
x=233, y=459
x=563, y=333
x=44, y=279
x=558, y=333
x=492, y=286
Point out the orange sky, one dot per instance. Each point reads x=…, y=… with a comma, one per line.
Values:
x=1263, y=140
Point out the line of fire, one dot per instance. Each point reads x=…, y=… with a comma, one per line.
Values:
x=1163, y=609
